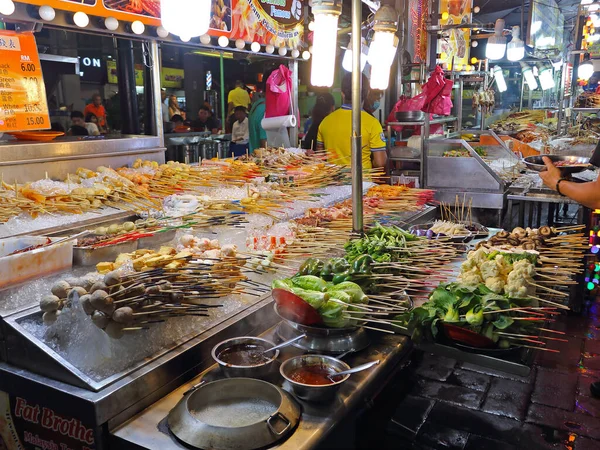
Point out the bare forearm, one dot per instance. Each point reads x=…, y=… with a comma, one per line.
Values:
x=588, y=194
x=379, y=159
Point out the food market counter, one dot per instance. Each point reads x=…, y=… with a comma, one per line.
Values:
x=148, y=430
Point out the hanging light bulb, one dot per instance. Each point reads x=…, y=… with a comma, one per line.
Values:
x=205, y=39
x=496, y=45
x=515, y=50
x=161, y=32
x=240, y=44
x=138, y=27
x=282, y=51
x=81, y=19
x=47, y=13
x=189, y=18
x=111, y=23
x=500, y=81
x=306, y=55
x=529, y=77
x=546, y=78
x=327, y=13
x=295, y=53
x=269, y=48
x=364, y=54
x=223, y=41
x=586, y=68
x=7, y=7
x=383, y=48
x=255, y=47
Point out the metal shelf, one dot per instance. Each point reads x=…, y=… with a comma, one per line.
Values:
x=406, y=159
x=586, y=110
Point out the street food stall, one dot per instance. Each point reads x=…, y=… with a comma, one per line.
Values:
x=148, y=276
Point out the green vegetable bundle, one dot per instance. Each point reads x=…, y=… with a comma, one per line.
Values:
x=338, y=270
x=379, y=242
x=330, y=300
x=465, y=306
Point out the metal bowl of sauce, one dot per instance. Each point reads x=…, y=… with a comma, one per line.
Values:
x=308, y=376
x=245, y=356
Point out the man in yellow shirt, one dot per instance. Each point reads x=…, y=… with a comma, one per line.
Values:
x=237, y=97
x=335, y=132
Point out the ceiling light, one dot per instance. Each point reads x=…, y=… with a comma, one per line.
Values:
x=223, y=41
x=327, y=13
x=529, y=77
x=47, y=13
x=476, y=9
x=7, y=7
x=81, y=19
x=306, y=55
x=500, y=81
x=382, y=51
x=161, y=32
x=255, y=47
x=364, y=54
x=586, y=68
x=515, y=50
x=138, y=27
x=496, y=45
x=111, y=23
x=269, y=49
x=295, y=53
x=205, y=39
x=185, y=17
x=546, y=78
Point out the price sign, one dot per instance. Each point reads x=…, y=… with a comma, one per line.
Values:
x=22, y=92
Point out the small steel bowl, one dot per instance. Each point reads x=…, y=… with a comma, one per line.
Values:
x=311, y=392
x=233, y=371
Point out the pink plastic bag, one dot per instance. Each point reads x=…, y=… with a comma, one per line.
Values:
x=278, y=93
x=415, y=103
x=438, y=91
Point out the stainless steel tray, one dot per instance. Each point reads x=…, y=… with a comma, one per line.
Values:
x=157, y=239
x=90, y=256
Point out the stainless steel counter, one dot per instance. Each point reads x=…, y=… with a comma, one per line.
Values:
x=148, y=430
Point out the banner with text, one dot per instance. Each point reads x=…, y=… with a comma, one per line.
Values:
x=275, y=22
x=22, y=91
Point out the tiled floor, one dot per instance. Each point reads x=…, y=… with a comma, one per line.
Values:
x=445, y=404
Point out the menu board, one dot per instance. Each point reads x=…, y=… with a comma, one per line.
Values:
x=456, y=46
x=22, y=92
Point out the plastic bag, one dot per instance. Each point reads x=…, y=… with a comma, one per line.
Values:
x=278, y=93
x=415, y=103
x=438, y=91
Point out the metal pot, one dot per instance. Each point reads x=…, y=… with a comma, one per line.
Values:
x=310, y=392
x=234, y=414
x=410, y=116
x=232, y=371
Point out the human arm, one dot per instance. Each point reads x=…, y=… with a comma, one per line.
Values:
x=320, y=142
x=588, y=194
x=378, y=146
x=379, y=159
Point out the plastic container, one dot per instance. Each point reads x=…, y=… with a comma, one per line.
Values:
x=36, y=263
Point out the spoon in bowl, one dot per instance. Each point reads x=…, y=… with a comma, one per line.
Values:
x=285, y=344
x=354, y=370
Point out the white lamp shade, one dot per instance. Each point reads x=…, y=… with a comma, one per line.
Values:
x=7, y=7
x=255, y=47
x=47, y=13
x=546, y=79
x=347, y=60
x=223, y=41
x=585, y=70
x=269, y=49
x=306, y=55
x=240, y=44
x=380, y=78
x=81, y=19
x=381, y=55
x=500, y=81
x=324, y=50
x=515, y=50
x=138, y=27
x=111, y=23
x=295, y=53
x=205, y=39
x=496, y=47
x=530, y=79
x=185, y=17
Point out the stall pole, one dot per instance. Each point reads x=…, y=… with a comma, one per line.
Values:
x=223, y=113
x=156, y=69
x=130, y=123
x=357, y=204
x=150, y=118
x=294, y=130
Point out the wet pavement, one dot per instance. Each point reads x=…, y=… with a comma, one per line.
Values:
x=442, y=403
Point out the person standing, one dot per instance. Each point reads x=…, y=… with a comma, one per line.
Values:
x=324, y=106
x=237, y=97
x=257, y=134
x=164, y=107
x=335, y=132
x=240, y=132
x=174, y=107
x=96, y=108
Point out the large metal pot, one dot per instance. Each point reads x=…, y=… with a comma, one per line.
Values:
x=234, y=414
x=258, y=371
x=309, y=392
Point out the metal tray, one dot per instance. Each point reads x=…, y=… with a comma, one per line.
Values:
x=458, y=239
x=157, y=239
x=90, y=256
x=536, y=163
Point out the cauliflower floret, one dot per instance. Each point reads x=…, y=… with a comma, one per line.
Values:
x=468, y=265
x=525, y=267
x=479, y=256
x=504, y=266
x=489, y=269
x=516, y=290
x=470, y=278
x=496, y=284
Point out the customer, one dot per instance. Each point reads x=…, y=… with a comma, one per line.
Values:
x=78, y=121
x=174, y=107
x=205, y=121
x=240, y=132
x=164, y=107
x=237, y=97
x=372, y=102
x=91, y=123
x=335, y=132
x=78, y=130
x=257, y=134
x=177, y=121
x=99, y=111
x=324, y=106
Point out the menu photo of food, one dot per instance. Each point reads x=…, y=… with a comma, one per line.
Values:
x=220, y=18
x=149, y=8
x=82, y=2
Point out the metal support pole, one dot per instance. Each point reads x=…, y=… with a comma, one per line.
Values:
x=127, y=94
x=357, y=202
x=222, y=77
x=294, y=130
x=156, y=69
x=459, y=102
